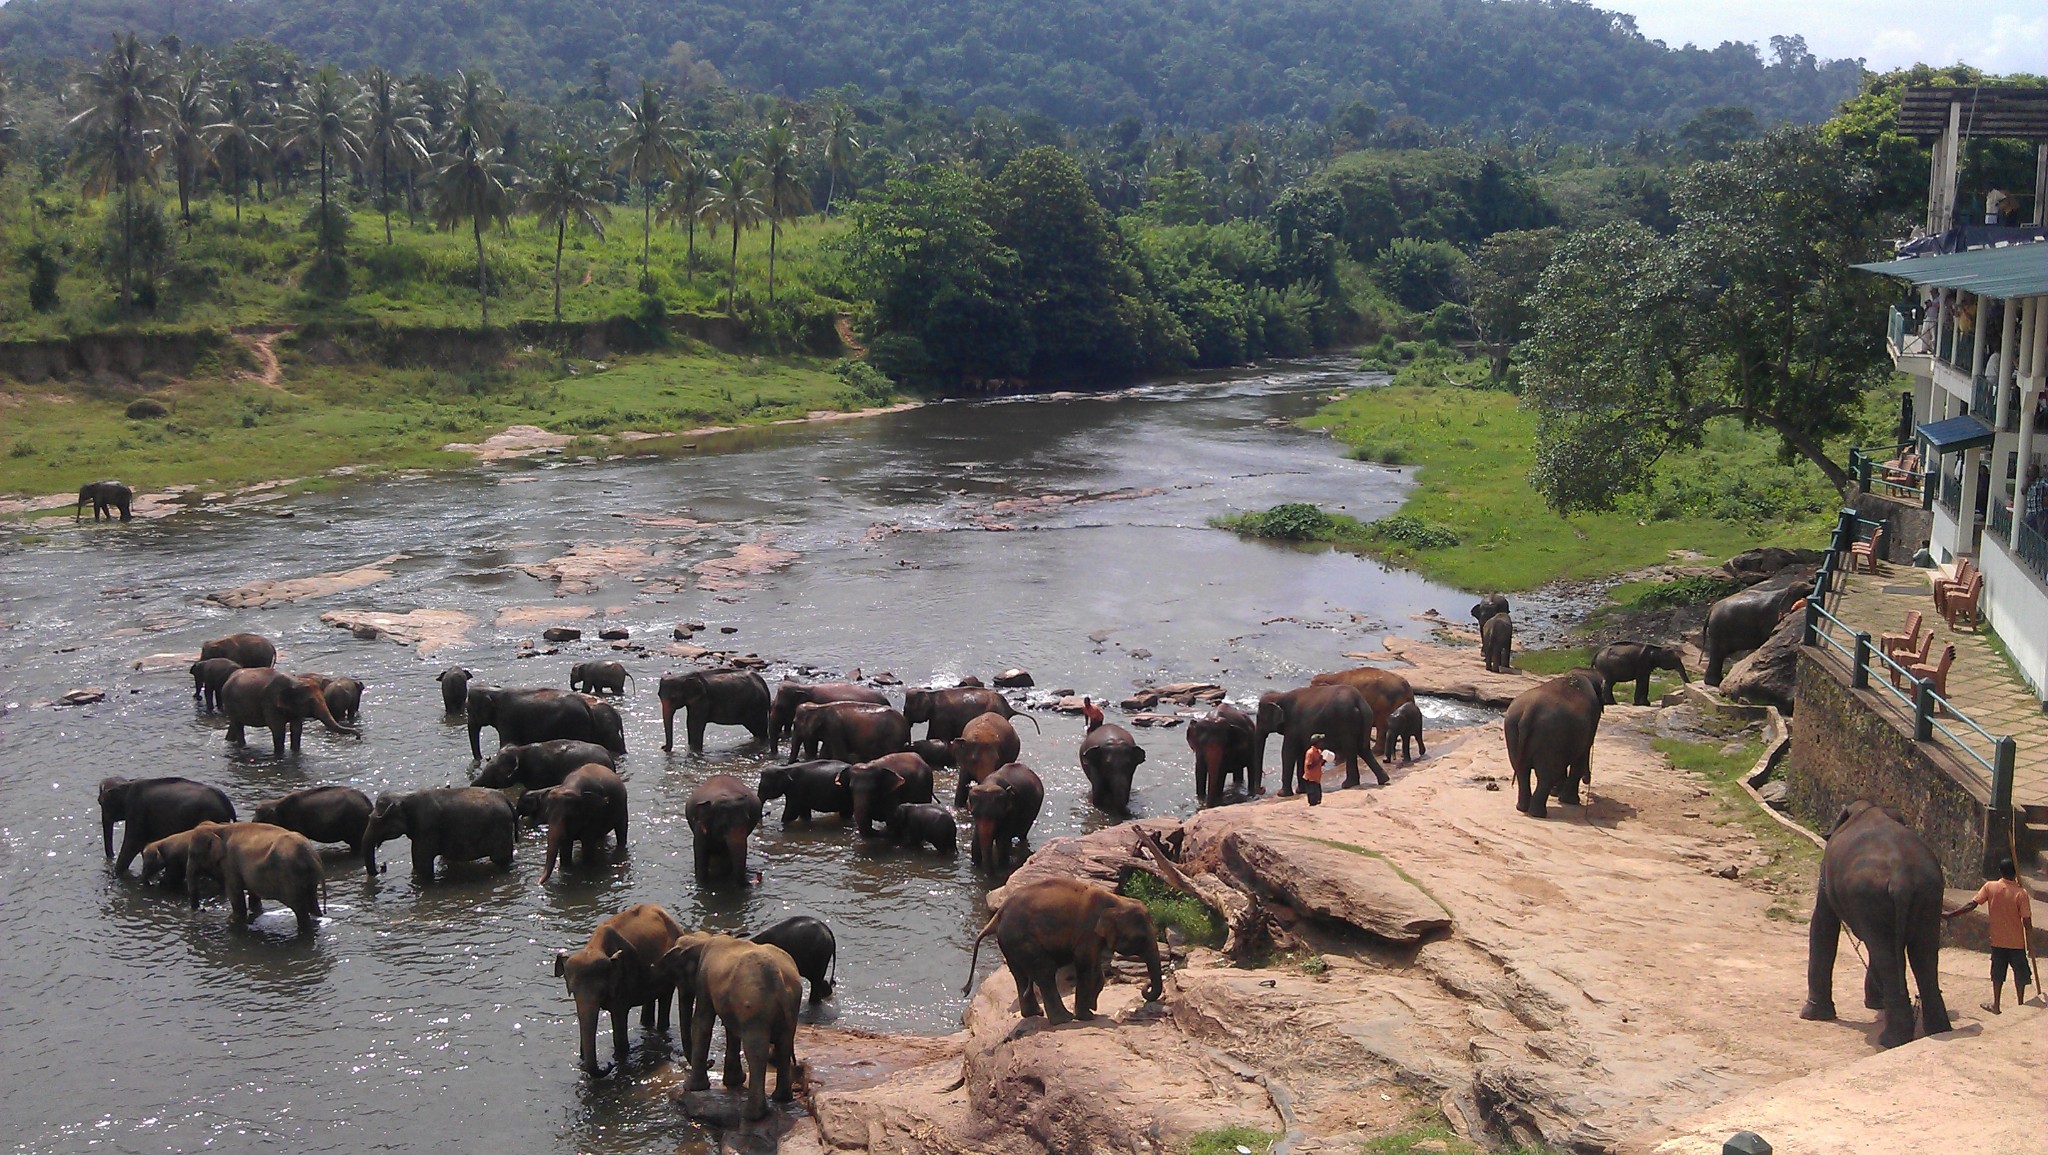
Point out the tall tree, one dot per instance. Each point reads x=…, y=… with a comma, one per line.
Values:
x=1248, y=173
x=9, y=131
x=842, y=148
x=120, y=133
x=476, y=112
x=782, y=189
x=326, y=120
x=1505, y=273
x=470, y=186
x=689, y=199
x=1749, y=310
x=192, y=109
x=393, y=132
x=237, y=139
x=738, y=203
x=569, y=190
x=649, y=145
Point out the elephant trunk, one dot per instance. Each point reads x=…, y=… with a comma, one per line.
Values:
x=107, y=833
x=985, y=838
x=476, y=729
x=1683, y=677
x=373, y=837
x=326, y=716
x=1155, y=984
x=587, y=1013
x=736, y=848
x=668, y=724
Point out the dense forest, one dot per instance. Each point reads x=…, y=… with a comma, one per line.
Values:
x=1527, y=67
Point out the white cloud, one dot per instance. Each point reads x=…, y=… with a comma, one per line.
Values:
x=1996, y=35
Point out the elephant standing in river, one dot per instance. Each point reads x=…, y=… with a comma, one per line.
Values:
x=947, y=712
x=789, y=694
x=847, y=731
x=810, y=944
x=1004, y=807
x=270, y=698
x=1110, y=758
x=707, y=697
x=599, y=677
x=458, y=823
x=247, y=650
x=807, y=787
x=344, y=695
x=616, y=971
x=1743, y=621
x=106, y=497
x=156, y=808
x=1225, y=744
x=539, y=765
x=722, y=813
x=1634, y=662
x=879, y=786
x=321, y=813
x=589, y=804
x=913, y=824
x=1058, y=922
x=523, y=716
x=1879, y=878
x=208, y=677
x=1549, y=731
x=253, y=861
x=755, y=992
x=984, y=746
x=454, y=689
x=1338, y=713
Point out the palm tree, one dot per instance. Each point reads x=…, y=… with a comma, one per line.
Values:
x=392, y=131
x=1248, y=172
x=842, y=148
x=191, y=110
x=236, y=137
x=689, y=195
x=737, y=201
x=570, y=189
x=120, y=130
x=470, y=185
x=781, y=187
x=476, y=112
x=326, y=119
x=8, y=130
x=649, y=146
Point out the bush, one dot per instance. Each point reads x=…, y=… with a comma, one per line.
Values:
x=865, y=384
x=1687, y=591
x=1227, y=1140
x=327, y=278
x=1423, y=274
x=1409, y=530
x=1294, y=521
x=1168, y=907
x=44, y=272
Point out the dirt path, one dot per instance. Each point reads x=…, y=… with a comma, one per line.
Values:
x=259, y=342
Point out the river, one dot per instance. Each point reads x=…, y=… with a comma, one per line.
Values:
x=427, y=1016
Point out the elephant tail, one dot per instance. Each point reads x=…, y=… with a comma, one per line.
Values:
x=1030, y=719
x=975, y=958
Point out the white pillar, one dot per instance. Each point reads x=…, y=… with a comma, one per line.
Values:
x=2030, y=320
x=2026, y=444
x=1980, y=340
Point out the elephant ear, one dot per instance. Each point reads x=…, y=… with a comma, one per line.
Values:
x=1141, y=755
x=901, y=781
x=616, y=948
x=561, y=957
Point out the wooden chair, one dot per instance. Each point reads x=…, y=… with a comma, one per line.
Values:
x=1937, y=674
x=1963, y=603
x=1909, y=656
x=1864, y=554
x=1905, y=639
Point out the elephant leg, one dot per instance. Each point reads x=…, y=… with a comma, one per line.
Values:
x=1823, y=937
x=1888, y=962
x=702, y=855
x=1873, y=990
x=1568, y=787
x=785, y=1066
x=1924, y=955
x=756, y=1047
x=1523, y=796
x=1379, y=772
x=734, y=1074
x=668, y=729
x=1643, y=688
x=696, y=723
x=238, y=895
x=277, y=739
x=700, y=1046
x=298, y=728
x=646, y=1015
x=1027, y=997
x=1047, y=976
x=621, y=1019
x=422, y=861
x=1539, y=799
x=661, y=1004
x=1088, y=981
x=1714, y=660
x=236, y=735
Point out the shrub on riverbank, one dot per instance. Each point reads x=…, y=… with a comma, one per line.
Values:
x=1398, y=535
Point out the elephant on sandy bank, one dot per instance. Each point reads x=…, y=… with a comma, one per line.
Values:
x=156, y=808
x=1497, y=643
x=1057, y=922
x=1879, y=878
x=1338, y=713
x=1549, y=731
x=1743, y=621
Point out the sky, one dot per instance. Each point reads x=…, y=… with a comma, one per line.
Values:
x=1995, y=35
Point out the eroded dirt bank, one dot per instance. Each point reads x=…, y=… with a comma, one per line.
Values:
x=1584, y=982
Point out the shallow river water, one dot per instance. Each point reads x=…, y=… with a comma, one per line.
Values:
x=424, y=1017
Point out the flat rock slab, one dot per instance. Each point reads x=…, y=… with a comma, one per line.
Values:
x=1455, y=672
x=1355, y=887
x=737, y=570
x=283, y=591
x=515, y=441
x=430, y=630
x=542, y=615
x=584, y=567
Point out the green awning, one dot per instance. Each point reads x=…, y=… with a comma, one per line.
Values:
x=2013, y=271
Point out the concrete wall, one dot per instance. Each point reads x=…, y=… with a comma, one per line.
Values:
x=1906, y=527
x=2017, y=607
x=1844, y=749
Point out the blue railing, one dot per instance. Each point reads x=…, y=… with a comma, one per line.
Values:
x=1895, y=332
x=1869, y=468
x=1952, y=496
x=2000, y=523
x=2033, y=551
x=1984, y=399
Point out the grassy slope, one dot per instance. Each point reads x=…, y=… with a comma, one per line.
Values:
x=1476, y=448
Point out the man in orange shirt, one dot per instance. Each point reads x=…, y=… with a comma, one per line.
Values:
x=2011, y=922
x=1312, y=762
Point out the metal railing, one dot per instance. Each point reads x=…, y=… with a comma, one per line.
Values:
x=1951, y=496
x=2032, y=551
x=1872, y=470
x=2000, y=523
x=1984, y=399
x=1904, y=337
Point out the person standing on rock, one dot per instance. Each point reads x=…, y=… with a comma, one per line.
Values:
x=2012, y=921
x=1091, y=714
x=1312, y=763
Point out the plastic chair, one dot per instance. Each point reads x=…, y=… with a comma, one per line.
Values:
x=1909, y=656
x=1936, y=674
x=1905, y=639
x=1963, y=603
x=1864, y=554
x=1945, y=586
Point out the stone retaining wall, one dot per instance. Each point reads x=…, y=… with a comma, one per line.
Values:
x=1906, y=527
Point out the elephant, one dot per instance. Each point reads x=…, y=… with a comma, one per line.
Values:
x=1880, y=879
x=789, y=694
x=616, y=971
x=155, y=808
x=755, y=991
x=1384, y=692
x=106, y=497
x=1488, y=606
x=590, y=803
x=539, y=765
x=722, y=812
x=246, y=650
x=847, y=731
x=344, y=695
x=1060, y=921
x=265, y=696
x=253, y=861
x=947, y=712
x=1110, y=758
x=1497, y=643
x=208, y=677
x=1406, y=727
x=1338, y=713
x=938, y=755
x=809, y=944
x=1003, y=807
x=458, y=823
x=454, y=689
x=807, y=787
x=1632, y=662
x=724, y=697
x=523, y=716
x=984, y=745
x=599, y=677
x=321, y=813
x=1743, y=621
x=1225, y=744
x=879, y=786
x=916, y=823
x=1549, y=730
x=167, y=856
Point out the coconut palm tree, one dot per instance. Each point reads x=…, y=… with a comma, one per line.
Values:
x=1248, y=172
x=689, y=196
x=842, y=148
x=393, y=131
x=236, y=138
x=191, y=110
x=649, y=145
x=120, y=133
x=326, y=119
x=570, y=188
x=470, y=185
x=781, y=187
x=476, y=112
x=738, y=202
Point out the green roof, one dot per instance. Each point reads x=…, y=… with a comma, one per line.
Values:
x=2004, y=273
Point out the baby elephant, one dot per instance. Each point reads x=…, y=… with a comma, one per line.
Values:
x=809, y=942
x=344, y=697
x=1405, y=724
x=454, y=689
x=207, y=677
x=916, y=823
x=599, y=677
x=321, y=813
x=589, y=804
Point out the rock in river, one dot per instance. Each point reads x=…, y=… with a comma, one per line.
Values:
x=561, y=634
x=1012, y=679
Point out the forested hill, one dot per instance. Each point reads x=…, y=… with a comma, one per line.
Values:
x=1522, y=65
